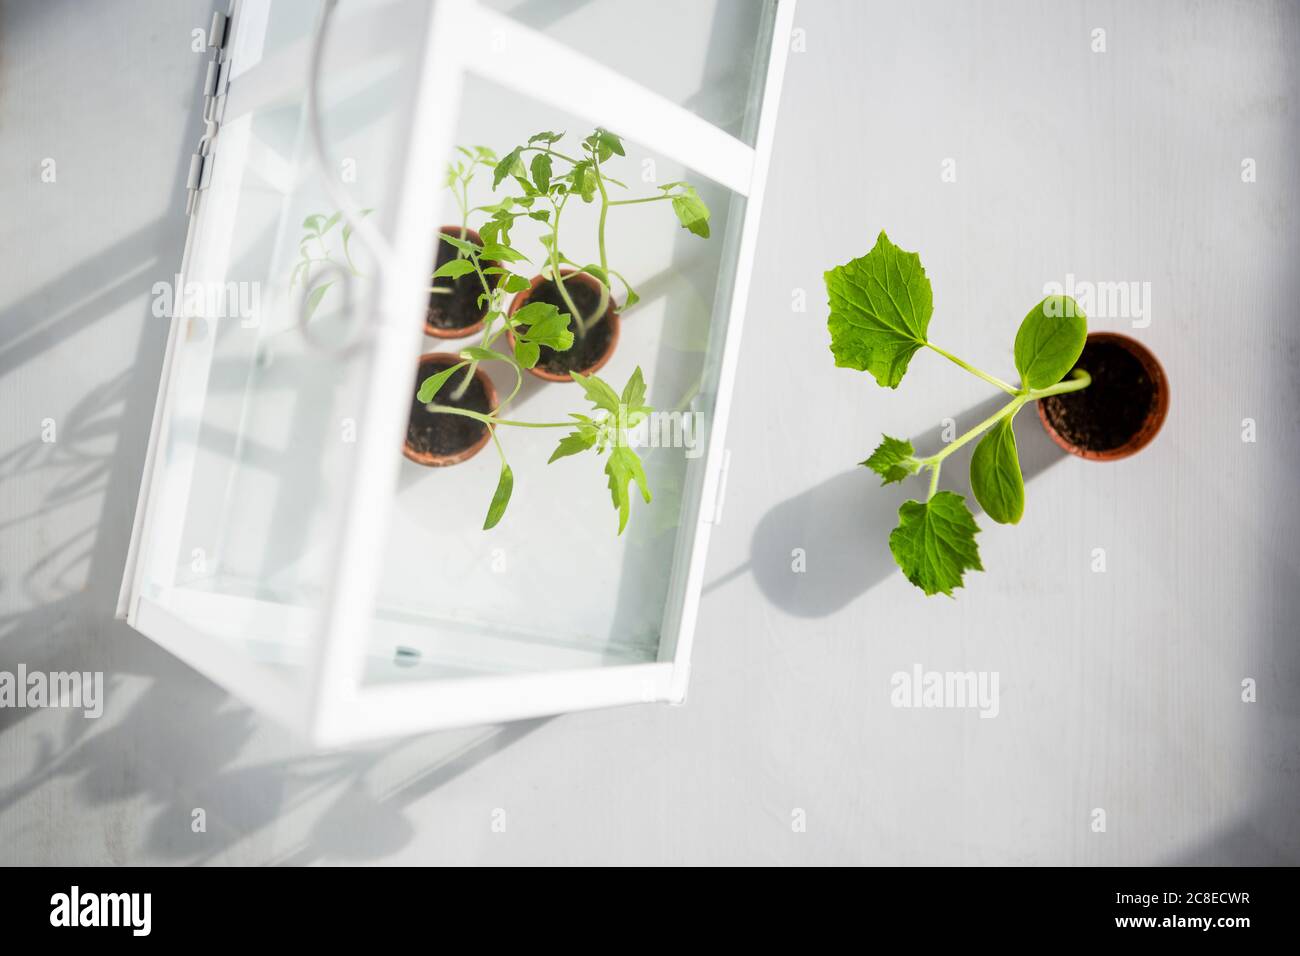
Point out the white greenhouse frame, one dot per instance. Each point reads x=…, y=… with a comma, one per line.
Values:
x=336, y=707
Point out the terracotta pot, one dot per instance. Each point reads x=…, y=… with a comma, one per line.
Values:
x=1155, y=417
x=471, y=284
x=430, y=363
x=611, y=319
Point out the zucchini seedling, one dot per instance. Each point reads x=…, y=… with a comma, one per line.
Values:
x=880, y=308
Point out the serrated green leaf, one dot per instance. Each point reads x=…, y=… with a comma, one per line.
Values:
x=546, y=326
x=431, y=385
x=934, y=543
x=995, y=476
x=893, y=460
x=501, y=498
x=598, y=392
x=623, y=467
x=547, y=138
x=453, y=269
x=574, y=443
x=880, y=307
x=1050, y=340
x=691, y=212
x=633, y=396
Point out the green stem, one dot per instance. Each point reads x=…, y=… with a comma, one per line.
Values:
x=991, y=379
x=633, y=202
x=555, y=271
x=1010, y=408
x=493, y=420
x=1079, y=380
x=600, y=242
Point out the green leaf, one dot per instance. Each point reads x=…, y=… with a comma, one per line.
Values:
x=541, y=167
x=464, y=245
x=313, y=223
x=496, y=252
x=624, y=467
x=347, y=233
x=508, y=165
x=576, y=442
x=598, y=393
x=505, y=485
x=604, y=144
x=631, y=298
x=430, y=386
x=633, y=396
x=691, y=211
x=546, y=325
x=478, y=354
x=454, y=269
x=330, y=223
x=546, y=139
x=893, y=460
x=594, y=270
x=934, y=542
x=514, y=283
x=527, y=354
x=583, y=180
x=314, y=298
x=880, y=305
x=995, y=475
x=1050, y=340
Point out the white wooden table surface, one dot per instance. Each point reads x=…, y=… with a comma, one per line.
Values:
x=1119, y=691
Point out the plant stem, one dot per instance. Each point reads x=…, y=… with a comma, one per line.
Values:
x=463, y=387
x=1079, y=380
x=555, y=271
x=991, y=379
x=600, y=240
x=632, y=202
x=1010, y=408
x=493, y=420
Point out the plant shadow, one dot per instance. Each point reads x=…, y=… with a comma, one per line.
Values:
x=849, y=518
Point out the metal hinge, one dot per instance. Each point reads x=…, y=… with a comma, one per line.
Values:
x=215, y=84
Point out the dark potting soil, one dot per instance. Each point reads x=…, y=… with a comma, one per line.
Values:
x=586, y=350
x=437, y=433
x=457, y=308
x=1112, y=409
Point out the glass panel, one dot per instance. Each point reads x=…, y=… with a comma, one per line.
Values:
x=700, y=54
x=553, y=585
x=254, y=465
